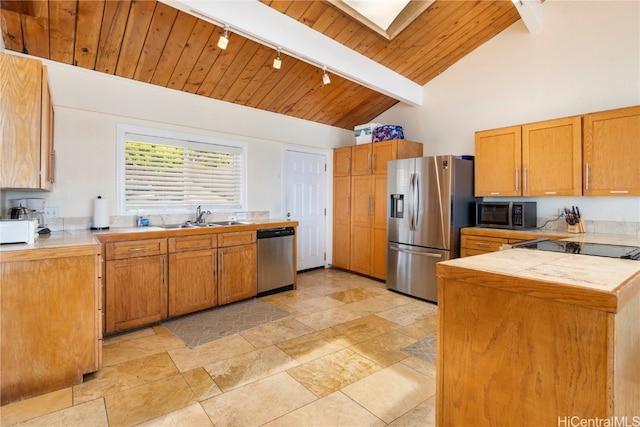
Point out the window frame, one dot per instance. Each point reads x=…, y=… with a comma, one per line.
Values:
x=182, y=139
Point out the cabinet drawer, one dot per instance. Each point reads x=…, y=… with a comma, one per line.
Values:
x=236, y=238
x=135, y=248
x=485, y=244
x=192, y=243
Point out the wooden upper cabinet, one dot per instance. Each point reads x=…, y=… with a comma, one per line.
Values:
x=552, y=158
x=372, y=158
x=498, y=157
x=361, y=158
x=26, y=120
x=342, y=161
x=612, y=152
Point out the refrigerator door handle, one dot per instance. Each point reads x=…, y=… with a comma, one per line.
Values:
x=416, y=200
x=408, y=251
x=410, y=202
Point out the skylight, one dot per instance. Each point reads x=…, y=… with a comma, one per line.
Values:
x=380, y=12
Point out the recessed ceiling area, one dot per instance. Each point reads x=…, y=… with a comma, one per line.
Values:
x=388, y=18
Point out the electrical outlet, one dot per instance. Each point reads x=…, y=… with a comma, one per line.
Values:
x=52, y=212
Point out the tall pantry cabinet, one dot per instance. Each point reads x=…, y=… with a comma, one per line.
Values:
x=360, y=204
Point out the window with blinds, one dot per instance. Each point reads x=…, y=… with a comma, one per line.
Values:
x=169, y=172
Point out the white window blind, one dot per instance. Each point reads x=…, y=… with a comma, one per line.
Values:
x=168, y=174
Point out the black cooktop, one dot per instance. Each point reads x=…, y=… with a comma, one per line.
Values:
x=595, y=249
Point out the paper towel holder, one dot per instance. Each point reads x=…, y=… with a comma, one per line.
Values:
x=99, y=228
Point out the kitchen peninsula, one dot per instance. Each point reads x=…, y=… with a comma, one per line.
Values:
x=530, y=338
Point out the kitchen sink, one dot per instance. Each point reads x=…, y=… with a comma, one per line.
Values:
x=189, y=224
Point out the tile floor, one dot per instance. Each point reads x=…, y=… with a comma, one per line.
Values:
x=336, y=361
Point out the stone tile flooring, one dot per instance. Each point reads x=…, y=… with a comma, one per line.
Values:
x=336, y=361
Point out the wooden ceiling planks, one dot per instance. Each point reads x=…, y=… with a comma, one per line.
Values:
x=151, y=42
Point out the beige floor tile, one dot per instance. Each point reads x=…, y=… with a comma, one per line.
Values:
x=424, y=367
x=36, y=406
x=284, y=298
x=245, y=368
x=126, y=350
x=258, y=402
x=148, y=401
x=314, y=305
x=385, y=349
x=409, y=313
x=193, y=415
x=423, y=415
x=116, y=378
x=187, y=358
x=201, y=384
x=315, y=345
x=366, y=328
x=332, y=372
x=128, y=336
x=353, y=295
x=327, y=318
x=87, y=414
x=391, y=392
x=333, y=410
x=373, y=305
x=421, y=328
x=276, y=332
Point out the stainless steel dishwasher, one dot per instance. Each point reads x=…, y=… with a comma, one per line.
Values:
x=275, y=260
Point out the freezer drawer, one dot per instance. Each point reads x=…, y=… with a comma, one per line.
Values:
x=411, y=270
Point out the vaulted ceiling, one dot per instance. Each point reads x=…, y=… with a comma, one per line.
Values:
x=152, y=42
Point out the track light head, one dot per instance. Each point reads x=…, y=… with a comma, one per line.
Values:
x=277, y=61
x=325, y=77
x=223, y=41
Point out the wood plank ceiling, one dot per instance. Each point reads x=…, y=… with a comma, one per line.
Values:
x=151, y=42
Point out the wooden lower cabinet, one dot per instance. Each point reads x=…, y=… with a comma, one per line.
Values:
x=477, y=240
x=237, y=264
x=192, y=274
x=49, y=323
x=135, y=284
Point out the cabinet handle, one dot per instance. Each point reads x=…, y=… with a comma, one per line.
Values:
x=482, y=244
x=525, y=179
x=134, y=250
x=586, y=176
x=373, y=161
x=619, y=191
x=369, y=161
x=517, y=179
x=164, y=271
x=52, y=167
x=349, y=164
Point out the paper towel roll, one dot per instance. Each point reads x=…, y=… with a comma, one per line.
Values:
x=100, y=213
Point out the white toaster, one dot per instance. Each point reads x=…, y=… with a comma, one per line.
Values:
x=18, y=231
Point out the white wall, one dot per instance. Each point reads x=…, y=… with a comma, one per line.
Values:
x=88, y=106
x=585, y=59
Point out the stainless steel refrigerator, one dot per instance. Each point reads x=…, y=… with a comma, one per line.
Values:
x=429, y=200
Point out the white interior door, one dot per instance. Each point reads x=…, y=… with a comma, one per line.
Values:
x=305, y=201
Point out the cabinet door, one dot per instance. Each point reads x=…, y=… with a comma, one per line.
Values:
x=552, y=158
x=498, y=162
x=379, y=228
x=612, y=152
x=135, y=292
x=192, y=281
x=361, y=219
x=47, y=152
x=341, y=221
x=361, y=159
x=342, y=161
x=381, y=153
x=237, y=273
x=20, y=111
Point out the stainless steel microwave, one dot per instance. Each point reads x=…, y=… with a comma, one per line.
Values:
x=509, y=215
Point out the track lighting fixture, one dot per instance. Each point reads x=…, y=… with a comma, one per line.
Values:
x=277, y=61
x=325, y=77
x=223, y=41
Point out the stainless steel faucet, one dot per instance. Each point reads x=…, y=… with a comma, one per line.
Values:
x=200, y=214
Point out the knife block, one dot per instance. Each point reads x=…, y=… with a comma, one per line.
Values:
x=576, y=228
